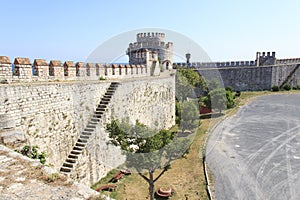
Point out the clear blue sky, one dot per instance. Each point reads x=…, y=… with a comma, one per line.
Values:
x=225, y=29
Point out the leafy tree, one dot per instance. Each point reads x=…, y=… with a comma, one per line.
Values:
x=147, y=151
x=193, y=77
x=214, y=84
x=216, y=99
x=230, y=99
x=190, y=116
x=183, y=88
x=187, y=80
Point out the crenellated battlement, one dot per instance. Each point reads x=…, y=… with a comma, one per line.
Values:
x=141, y=37
x=218, y=64
x=23, y=70
x=287, y=61
x=262, y=59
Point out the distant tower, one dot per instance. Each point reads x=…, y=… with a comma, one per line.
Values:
x=188, y=57
x=265, y=58
x=152, y=42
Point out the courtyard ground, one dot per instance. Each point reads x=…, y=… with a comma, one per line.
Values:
x=254, y=154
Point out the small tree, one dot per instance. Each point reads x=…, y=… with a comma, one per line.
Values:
x=230, y=99
x=183, y=88
x=190, y=116
x=217, y=99
x=193, y=77
x=146, y=151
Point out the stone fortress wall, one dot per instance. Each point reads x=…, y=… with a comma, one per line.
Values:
x=260, y=74
x=51, y=110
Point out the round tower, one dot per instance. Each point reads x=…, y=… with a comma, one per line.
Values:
x=155, y=42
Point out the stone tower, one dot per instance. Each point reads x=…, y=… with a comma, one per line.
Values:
x=147, y=46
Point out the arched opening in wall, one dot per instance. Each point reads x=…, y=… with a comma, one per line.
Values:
x=166, y=64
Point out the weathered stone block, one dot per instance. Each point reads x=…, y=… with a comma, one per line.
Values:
x=12, y=137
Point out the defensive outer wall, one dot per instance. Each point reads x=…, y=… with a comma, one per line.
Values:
x=261, y=74
x=50, y=104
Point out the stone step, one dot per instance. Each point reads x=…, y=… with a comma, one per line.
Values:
x=107, y=96
x=78, y=148
x=73, y=156
x=67, y=164
x=81, y=140
x=89, y=129
x=92, y=123
x=65, y=169
x=109, y=93
x=98, y=112
x=71, y=160
x=100, y=109
x=84, y=137
x=86, y=133
x=97, y=116
x=102, y=106
x=104, y=102
x=76, y=152
x=91, y=126
x=105, y=99
x=80, y=144
x=95, y=119
x=65, y=173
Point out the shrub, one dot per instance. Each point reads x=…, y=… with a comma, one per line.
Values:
x=275, y=88
x=102, y=78
x=32, y=152
x=237, y=93
x=229, y=88
x=287, y=87
x=230, y=99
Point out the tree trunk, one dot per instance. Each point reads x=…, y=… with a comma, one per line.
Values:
x=151, y=185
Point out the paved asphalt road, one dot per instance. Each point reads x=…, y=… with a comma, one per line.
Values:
x=256, y=153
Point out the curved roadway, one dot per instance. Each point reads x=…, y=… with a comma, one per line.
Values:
x=255, y=154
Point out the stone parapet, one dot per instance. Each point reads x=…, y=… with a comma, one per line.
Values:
x=22, y=70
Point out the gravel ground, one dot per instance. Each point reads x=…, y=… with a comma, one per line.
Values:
x=255, y=154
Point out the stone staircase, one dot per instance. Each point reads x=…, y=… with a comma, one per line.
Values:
x=89, y=129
